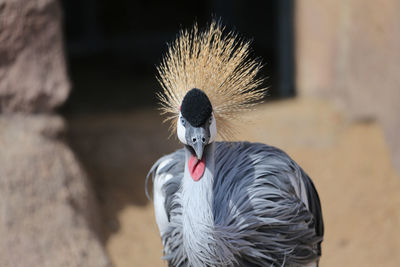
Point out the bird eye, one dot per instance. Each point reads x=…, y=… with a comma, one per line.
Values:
x=183, y=121
x=210, y=120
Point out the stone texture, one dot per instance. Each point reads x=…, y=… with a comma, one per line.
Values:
x=349, y=51
x=48, y=216
x=32, y=68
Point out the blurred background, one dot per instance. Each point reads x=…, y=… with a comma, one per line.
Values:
x=79, y=125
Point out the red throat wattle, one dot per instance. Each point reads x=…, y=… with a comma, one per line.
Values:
x=196, y=167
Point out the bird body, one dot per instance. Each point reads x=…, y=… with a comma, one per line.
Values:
x=226, y=203
x=255, y=207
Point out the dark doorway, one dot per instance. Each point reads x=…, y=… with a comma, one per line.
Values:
x=113, y=47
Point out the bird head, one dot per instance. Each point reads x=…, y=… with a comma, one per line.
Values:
x=219, y=64
x=196, y=126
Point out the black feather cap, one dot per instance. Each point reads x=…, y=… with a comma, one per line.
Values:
x=196, y=107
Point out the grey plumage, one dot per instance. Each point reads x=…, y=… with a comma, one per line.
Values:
x=264, y=209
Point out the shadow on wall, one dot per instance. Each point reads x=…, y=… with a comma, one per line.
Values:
x=117, y=150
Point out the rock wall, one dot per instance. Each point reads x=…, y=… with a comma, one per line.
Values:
x=48, y=213
x=349, y=51
x=32, y=68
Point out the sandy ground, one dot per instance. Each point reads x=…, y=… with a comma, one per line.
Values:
x=348, y=162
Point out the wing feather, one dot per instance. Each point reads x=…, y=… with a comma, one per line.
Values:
x=166, y=174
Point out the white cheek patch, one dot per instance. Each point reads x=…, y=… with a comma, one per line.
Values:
x=181, y=130
x=213, y=129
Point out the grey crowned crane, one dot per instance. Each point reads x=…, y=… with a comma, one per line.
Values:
x=226, y=203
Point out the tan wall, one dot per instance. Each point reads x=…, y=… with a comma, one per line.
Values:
x=350, y=51
x=48, y=211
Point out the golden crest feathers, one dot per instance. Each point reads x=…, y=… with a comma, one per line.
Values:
x=216, y=62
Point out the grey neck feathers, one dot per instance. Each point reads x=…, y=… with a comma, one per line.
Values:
x=200, y=239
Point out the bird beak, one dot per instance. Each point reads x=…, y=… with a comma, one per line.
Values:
x=198, y=149
x=198, y=138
